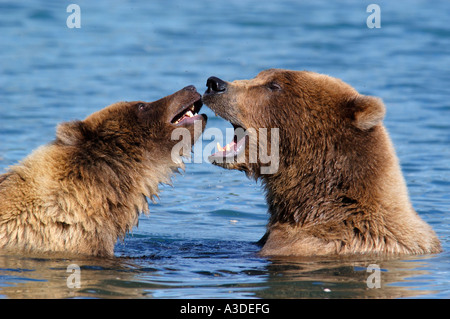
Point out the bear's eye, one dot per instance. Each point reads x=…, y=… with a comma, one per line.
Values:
x=140, y=106
x=274, y=86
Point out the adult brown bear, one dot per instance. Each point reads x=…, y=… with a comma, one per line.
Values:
x=338, y=187
x=81, y=192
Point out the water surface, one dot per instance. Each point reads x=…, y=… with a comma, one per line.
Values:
x=198, y=241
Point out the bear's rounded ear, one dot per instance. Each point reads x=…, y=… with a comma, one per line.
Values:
x=366, y=111
x=70, y=133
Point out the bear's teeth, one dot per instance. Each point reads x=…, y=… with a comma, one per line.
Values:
x=222, y=149
x=189, y=114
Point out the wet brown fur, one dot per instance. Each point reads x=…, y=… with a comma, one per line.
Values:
x=339, y=188
x=83, y=191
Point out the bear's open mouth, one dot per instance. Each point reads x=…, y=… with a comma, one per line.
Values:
x=188, y=114
x=232, y=149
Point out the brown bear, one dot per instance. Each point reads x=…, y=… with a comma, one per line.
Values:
x=338, y=188
x=84, y=190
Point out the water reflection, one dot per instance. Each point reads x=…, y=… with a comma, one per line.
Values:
x=159, y=275
x=342, y=278
x=46, y=277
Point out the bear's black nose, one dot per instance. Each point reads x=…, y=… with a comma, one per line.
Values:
x=215, y=85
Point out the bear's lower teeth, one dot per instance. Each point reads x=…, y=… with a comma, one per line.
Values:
x=226, y=148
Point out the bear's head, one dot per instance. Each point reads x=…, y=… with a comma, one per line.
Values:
x=135, y=131
x=338, y=186
x=131, y=138
x=312, y=114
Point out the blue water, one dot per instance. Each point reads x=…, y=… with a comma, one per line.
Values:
x=198, y=241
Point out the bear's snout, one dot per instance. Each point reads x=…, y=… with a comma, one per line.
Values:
x=215, y=85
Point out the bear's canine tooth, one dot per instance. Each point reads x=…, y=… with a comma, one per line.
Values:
x=189, y=113
x=219, y=148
